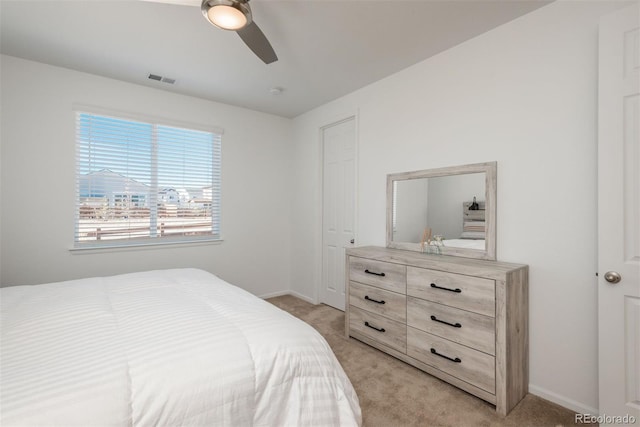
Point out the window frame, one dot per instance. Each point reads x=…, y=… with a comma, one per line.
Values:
x=155, y=121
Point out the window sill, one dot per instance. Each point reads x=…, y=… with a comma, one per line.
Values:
x=115, y=247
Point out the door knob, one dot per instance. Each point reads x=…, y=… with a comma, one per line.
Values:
x=612, y=276
x=352, y=241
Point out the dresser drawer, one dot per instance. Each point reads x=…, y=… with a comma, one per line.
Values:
x=464, y=327
x=385, y=275
x=471, y=366
x=388, y=332
x=456, y=290
x=376, y=300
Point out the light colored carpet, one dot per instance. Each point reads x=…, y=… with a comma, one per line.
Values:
x=394, y=394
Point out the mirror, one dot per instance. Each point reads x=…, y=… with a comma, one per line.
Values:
x=448, y=211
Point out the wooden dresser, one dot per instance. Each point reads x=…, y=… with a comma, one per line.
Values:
x=462, y=320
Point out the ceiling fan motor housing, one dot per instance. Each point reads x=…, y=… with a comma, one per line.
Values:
x=241, y=6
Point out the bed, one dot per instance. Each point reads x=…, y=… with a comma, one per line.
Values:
x=473, y=227
x=477, y=244
x=163, y=348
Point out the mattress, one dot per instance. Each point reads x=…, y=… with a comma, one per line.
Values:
x=163, y=348
x=478, y=244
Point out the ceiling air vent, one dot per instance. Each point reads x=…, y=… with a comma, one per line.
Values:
x=158, y=78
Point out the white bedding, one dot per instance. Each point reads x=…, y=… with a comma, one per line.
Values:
x=163, y=348
x=478, y=244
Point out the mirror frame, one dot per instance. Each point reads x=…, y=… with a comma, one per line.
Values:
x=490, y=170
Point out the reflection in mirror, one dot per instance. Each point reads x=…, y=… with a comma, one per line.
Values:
x=455, y=205
x=440, y=203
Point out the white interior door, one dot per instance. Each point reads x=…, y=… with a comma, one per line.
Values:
x=619, y=215
x=338, y=208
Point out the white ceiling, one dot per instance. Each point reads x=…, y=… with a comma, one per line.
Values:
x=326, y=48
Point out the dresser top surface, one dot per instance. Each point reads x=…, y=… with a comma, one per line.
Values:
x=482, y=268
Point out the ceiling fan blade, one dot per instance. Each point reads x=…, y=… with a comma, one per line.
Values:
x=258, y=43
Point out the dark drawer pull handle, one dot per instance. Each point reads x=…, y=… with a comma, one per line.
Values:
x=456, y=290
x=457, y=359
x=455, y=325
x=374, y=300
x=376, y=274
x=373, y=327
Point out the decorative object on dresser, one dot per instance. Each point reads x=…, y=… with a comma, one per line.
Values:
x=462, y=320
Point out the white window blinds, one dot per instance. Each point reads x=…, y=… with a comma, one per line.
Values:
x=143, y=182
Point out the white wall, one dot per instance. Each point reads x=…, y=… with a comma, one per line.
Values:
x=412, y=209
x=523, y=95
x=38, y=161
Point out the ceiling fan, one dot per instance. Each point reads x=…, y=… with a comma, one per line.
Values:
x=235, y=15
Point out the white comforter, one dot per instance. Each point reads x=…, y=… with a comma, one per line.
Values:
x=478, y=244
x=163, y=348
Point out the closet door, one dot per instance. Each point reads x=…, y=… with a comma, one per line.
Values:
x=338, y=207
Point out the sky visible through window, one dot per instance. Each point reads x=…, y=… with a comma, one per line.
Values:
x=131, y=143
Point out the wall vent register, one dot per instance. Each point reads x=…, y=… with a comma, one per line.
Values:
x=162, y=79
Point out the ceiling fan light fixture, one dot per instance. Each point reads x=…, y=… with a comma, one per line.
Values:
x=227, y=14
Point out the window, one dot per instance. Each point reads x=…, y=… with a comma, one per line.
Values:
x=141, y=182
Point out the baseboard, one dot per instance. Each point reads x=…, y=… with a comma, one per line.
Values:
x=292, y=293
x=303, y=297
x=274, y=294
x=577, y=407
